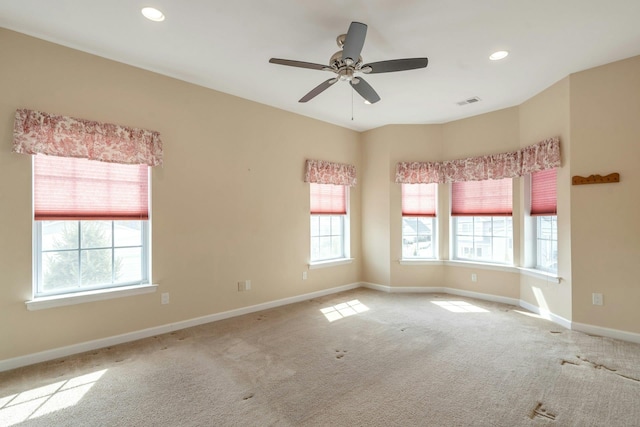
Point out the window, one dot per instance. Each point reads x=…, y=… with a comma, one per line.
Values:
x=544, y=209
x=328, y=222
x=418, y=221
x=91, y=225
x=482, y=227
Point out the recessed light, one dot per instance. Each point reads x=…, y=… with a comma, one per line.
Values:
x=152, y=14
x=496, y=56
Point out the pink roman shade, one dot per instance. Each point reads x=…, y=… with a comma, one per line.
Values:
x=322, y=172
x=328, y=199
x=482, y=198
x=419, y=200
x=35, y=132
x=67, y=188
x=543, y=192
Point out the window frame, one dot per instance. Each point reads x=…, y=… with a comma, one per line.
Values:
x=38, y=252
x=430, y=211
x=48, y=299
x=345, y=226
x=474, y=250
x=499, y=211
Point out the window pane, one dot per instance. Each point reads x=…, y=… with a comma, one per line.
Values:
x=127, y=265
x=336, y=247
x=95, y=234
x=315, y=248
x=127, y=233
x=417, y=237
x=336, y=225
x=482, y=225
x=325, y=225
x=315, y=225
x=325, y=247
x=60, y=270
x=486, y=239
x=547, y=243
x=96, y=267
x=59, y=235
x=464, y=225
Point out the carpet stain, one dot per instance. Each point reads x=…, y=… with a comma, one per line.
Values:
x=585, y=361
x=340, y=354
x=403, y=329
x=248, y=396
x=261, y=317
x=540, y=412
x=555, y=332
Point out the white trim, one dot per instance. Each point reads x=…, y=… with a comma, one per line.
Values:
x=607, y=332
x=540, y=274
x=418, y=261
x=485, y=297
x=546, y=314
x=87, y=296
x=330, y=263
x=435, y=290
x=482, y=266
x=44, y=356
x=55, y=353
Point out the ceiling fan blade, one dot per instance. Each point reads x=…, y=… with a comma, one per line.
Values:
x=365, y=90
x=397, y=65
x=354, y=41
x=299, y=64
x=318, y=90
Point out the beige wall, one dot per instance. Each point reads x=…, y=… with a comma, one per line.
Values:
x=605, y=231
x=547, y=115
x=231, y=191
x=229, y=204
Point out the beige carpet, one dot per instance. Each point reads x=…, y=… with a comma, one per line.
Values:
x=382, y=360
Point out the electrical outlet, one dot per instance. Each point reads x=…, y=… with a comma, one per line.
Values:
x=597, y=299
x=474, y=277
x=304, y=275
x=247, y=285
x=164, y=298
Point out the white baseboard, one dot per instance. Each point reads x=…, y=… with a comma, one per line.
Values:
x=607, y=332
x=547, y=314
x=435, y=290
x=56, y=353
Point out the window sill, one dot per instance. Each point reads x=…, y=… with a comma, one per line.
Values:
x=540, y=274
x=330, y=263
x=88, y=296
x=417, y=261
x=482, y=266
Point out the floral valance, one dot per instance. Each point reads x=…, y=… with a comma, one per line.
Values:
x=37, y=132
x=321, y=172
x=541, y=156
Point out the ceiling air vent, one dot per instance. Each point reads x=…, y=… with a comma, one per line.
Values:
x=469, y=101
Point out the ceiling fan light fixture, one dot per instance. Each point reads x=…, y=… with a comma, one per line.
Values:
x=498, y=55
x=152, y=14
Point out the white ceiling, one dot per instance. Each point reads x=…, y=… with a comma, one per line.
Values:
x=226, y=46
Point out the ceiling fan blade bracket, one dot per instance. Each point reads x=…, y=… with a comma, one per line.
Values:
x=354, y=42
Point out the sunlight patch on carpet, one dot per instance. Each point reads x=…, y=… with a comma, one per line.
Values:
x=44, y=400
x=526, y=313
x=343, y=310
x=460, y=307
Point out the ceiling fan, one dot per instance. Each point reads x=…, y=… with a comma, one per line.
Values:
x=346, y=62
